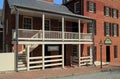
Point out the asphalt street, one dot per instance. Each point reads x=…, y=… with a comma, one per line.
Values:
x=112, y=74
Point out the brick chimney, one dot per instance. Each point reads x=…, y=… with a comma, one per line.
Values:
x=49, y=0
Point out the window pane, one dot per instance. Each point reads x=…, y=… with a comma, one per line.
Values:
x=77, y=7
x=91, y=6
x=47, y=25
x=27, y=23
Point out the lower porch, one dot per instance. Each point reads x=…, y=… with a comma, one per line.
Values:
x=47, y=56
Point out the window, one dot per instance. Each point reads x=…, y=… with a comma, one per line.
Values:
x=47, y=25
x=27, y=23
x=107, y=11
x=107, y=29
x=90, y=26
x=77, y=7
x=115, y=51
x=91, y=6
x=59, y=26
x=115, y=31
x=114, y=13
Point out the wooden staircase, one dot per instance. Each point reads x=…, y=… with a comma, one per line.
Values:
x=22, y=63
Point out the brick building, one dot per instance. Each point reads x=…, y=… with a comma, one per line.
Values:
x=106, y=20
x=45, y=35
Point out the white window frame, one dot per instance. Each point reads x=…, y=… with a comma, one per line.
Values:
x=115, y=30
x=75, y=6
x=31, y=21
x=114, y=13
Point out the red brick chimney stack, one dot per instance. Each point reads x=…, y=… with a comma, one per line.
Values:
x=49, y=0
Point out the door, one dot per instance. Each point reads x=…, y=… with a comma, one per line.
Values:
x=74, y=27
x=108, y=53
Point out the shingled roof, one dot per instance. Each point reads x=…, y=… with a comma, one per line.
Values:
x=44, y=6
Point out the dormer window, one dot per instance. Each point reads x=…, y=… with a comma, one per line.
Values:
x=77, y=7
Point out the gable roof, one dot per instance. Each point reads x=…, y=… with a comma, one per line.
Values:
x=43, y=5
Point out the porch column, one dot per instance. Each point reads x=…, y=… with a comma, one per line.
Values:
x=79, y=29
x=62, y=55
x=43, y=26
x=79, y=54
x=43, y=56
x=63, y=28
x=28, y=56
x=17, y=26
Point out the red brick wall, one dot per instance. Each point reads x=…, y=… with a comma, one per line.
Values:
x=100, y=19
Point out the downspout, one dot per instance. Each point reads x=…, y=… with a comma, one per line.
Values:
x=17, y=25
x=93, y=45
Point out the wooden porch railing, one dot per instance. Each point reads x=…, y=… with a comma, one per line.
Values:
x=25, y=34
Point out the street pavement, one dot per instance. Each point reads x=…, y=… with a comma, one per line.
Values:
x=111, y=74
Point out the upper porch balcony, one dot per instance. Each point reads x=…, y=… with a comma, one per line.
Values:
x=31, y=35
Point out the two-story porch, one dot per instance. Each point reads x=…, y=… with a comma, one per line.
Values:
x=44, y=39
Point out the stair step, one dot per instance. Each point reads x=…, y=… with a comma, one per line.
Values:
x=22, y=69
x=22, y=66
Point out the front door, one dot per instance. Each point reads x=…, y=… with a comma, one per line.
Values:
x=108, y=53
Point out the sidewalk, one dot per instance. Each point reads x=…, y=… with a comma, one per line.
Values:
x=54, y=73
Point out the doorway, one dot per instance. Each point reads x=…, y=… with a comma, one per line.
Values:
x=108, y=53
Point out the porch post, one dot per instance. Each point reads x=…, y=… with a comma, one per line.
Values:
x=63, y=30
x=43, y=26
x=79, y=29
x=93, y=45
x=79, y=46
x=43, y=56
x=28, y=55
x=62, y=55
x=17, y=26
x=79, y=54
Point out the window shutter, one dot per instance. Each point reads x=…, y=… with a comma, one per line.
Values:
x=94, y=27
x=94, y=7
x=117, y=30
x=87, y=6
x=112, y=30
x=104, y=10
x=110, y=25
x=87, y=27
x=104, y=28
x=117, y=13
x=112, y=13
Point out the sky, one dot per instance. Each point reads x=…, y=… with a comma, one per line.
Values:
x=55, y=1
